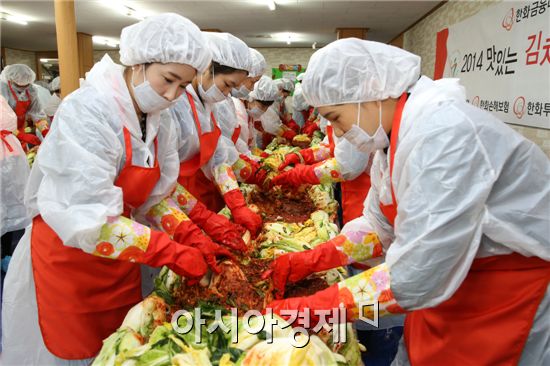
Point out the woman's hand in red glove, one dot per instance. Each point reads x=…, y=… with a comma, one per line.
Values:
x=289, y=135
x=189, y=234
x=293, y=267
x=241, y=213
x=300, y=174
x=290, y=159
x=218, y=227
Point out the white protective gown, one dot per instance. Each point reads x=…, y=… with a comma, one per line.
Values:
x=43, y=94
x=299, y=104
x=249, y=134
x=505, y=176
x=72, y=186
x=14, y=172
x=188, y=136
x=52, y=104
x=247, y=127
x=227, y=118
x=271, y=122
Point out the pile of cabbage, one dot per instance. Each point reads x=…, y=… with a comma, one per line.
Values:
x=147, y=338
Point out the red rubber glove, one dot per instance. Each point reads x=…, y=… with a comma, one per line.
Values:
x=267, y=138
x=326, y=299
x=300, y=174
x=184, y=260
x=293, y=126
x=241, y=213
x=306, y=126
x=218, y=227
x=28, y=138
x=295, y=158
x=292, y=158
x=189, y=234
x=310, y=129
x=289, y=135
x=293, y=267
x=44, y=132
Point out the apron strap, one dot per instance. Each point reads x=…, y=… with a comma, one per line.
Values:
x=195, y=114
x=236, y=134
x=3, y=134
x=155, y=142
x=128, y=148
x=394, y=138
x=331, y=144
x=214, y=122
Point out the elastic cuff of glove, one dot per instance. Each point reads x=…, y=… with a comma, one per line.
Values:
x=331, y=249
x=200, y=214
x=306, y=156
x=234, y=199
x=186, y=231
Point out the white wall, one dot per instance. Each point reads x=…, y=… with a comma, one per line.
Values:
x=20, y=57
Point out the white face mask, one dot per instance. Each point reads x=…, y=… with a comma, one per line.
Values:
x=241, y=93
x=213, y=94
x=362, y=140
x=351, y=160
x=18, y=89
x=255, y=113
x=147, y=98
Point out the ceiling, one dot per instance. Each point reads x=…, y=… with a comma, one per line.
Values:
x=308, y=21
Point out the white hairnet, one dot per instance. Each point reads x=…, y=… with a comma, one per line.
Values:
x=258, y=64
x=352, y=70
x=298, y=101
x=19, y=74
x=287, y=85
x=55, y=84
x=165, y=38
x=8, y=119
x=228, y=50
x=300, y=77
x=264, y=90
x=278, y=83
x=42, y=83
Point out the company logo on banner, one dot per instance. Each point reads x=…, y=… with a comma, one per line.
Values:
x=502, y=57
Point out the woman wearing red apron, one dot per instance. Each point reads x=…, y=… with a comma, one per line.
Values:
x=285, y=87
x=250, y=112
x=206, y=179
x=463, y=221
x=99, y=195
x=242, y=104
x=22, y=96
x=15, y=173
